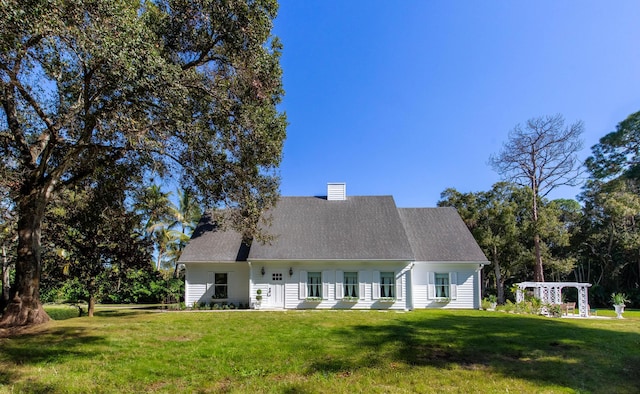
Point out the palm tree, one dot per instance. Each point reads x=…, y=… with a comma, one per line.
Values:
x=186, y=216
x=155, y=207
x=169, y=225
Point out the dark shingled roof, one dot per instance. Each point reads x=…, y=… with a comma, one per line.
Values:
x=210, y=243
x=439, y=234
x=313, y=228
x=359, y=228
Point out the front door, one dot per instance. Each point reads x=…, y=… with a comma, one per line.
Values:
x=276, y=290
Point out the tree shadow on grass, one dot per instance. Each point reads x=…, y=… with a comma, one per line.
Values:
x=544, y=351
x=43, y=346
x=120, y=313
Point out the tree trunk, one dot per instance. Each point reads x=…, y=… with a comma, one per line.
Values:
x=24, y=306
x=538, y=269
x=92, y=305
x=499, y=281
x=6, y=286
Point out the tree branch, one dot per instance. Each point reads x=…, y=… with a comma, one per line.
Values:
x=10, y=109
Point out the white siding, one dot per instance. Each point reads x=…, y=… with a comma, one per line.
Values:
x=194, y=292
x=199, y=281
x=463, y=285
x=411, y=284
x=295, y=284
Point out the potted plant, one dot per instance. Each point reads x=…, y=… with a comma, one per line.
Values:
x=258, y=298
x=618, y=300
x=493, y=301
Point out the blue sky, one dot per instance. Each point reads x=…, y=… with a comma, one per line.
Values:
x=411, y=97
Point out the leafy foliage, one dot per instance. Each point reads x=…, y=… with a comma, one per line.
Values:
x=92, y=235
x=187, y=88
x=168, y=225
x=618, y=153
x=540, y=155
x=500, y=221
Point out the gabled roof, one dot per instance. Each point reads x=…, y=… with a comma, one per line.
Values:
x=211, y=243
x=439, y=234
x=314, y=228
x=358, y=228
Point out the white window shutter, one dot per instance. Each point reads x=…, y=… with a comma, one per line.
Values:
x=375, y=285
x=339, y=285
x=303, y=285
x=431, y=286
x=210, y=280
x=363, y=284
x=453, y=285
x=325, y=284
x=399, y=286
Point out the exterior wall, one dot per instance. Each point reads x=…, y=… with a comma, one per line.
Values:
x=465, y=278
x=199, y=282
x=282, y=290
x=292, y=285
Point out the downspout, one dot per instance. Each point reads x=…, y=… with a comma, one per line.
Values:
x=479, y=287
x=250, y=282
x=409, y=287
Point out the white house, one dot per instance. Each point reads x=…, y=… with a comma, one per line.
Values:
x=339, y=252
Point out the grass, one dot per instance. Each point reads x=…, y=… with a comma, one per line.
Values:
x=122, y=350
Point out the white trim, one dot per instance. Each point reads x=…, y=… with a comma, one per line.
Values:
x=431, y=285
x=362, y=278
x=303, y=285
x=398, y=290
x=453, y=285
x=325, y=284
x=339, y=285
x=375, y=286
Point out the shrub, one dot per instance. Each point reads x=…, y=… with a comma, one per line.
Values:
x=554, y=310
x=509, y=306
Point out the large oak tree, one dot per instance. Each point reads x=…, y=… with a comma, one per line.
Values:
x=188, y=88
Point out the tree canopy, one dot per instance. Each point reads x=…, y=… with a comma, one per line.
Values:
x=617, y=153
x=182, y=88
x=541, y=155
x=611, y=197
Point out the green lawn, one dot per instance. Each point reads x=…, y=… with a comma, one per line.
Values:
x=123, y=350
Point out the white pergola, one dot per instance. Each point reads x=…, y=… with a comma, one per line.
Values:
x=551, y=293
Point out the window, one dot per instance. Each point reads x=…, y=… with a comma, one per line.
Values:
x=276, y=277
x=351, y=284
x=314, y=284
x=387, y=286
x=442, y=285
x=220, y=285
